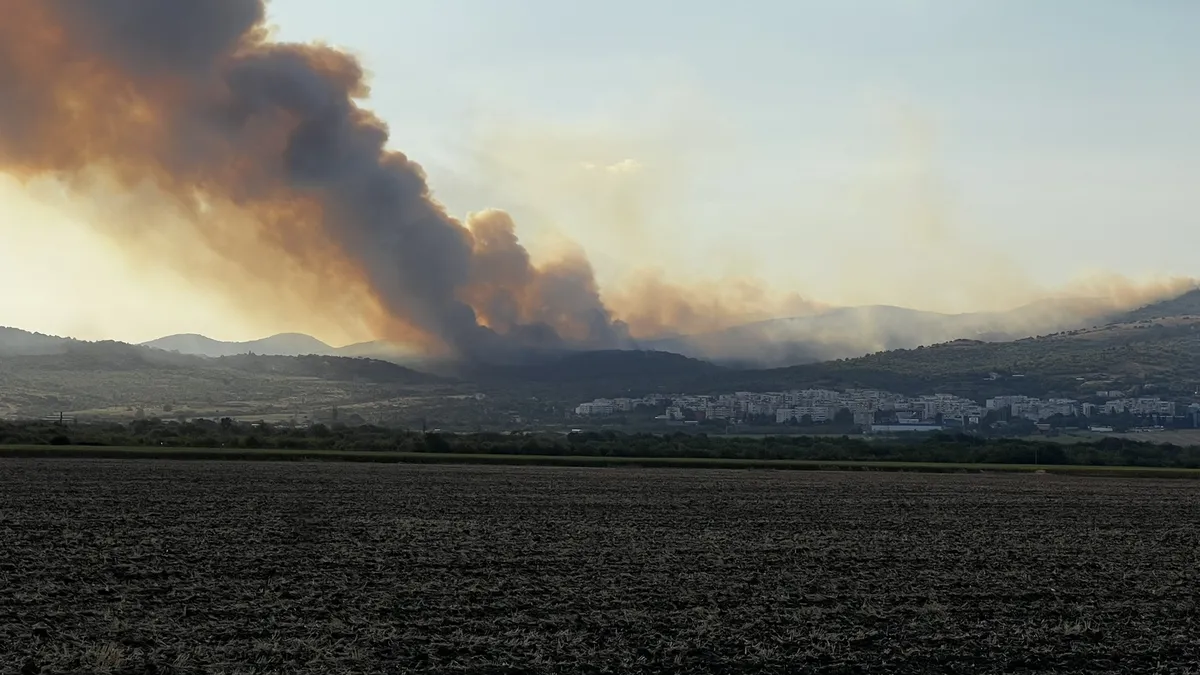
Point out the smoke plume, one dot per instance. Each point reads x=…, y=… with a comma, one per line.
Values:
x=653, y=306
x=191, y=134
x=194, y=99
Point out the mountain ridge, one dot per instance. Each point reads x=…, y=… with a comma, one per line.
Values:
x=281, y=344
x=44, y=372
x=58, y=353
x=1185, y=304
x=18, y=342
x=1146, y=358
x=842, y=332
x=848, y=332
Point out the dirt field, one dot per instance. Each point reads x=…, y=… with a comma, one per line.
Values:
x=140, y=566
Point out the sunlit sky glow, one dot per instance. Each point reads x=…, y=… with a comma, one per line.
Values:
x=831, y=148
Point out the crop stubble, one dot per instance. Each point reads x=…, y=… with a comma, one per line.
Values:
x=177, y=566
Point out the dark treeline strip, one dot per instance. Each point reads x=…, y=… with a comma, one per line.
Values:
x=947, y=448
x=378, y=457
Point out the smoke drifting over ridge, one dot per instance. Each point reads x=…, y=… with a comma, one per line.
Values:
x=187, y=111
x=195, y=99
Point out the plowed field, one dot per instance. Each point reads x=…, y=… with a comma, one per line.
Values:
x=144, y=566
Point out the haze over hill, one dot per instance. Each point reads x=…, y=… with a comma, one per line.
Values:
x=854, y=331
x=1150, y=349
x=1158, y=358
x=1186, y=304
x=838, y=333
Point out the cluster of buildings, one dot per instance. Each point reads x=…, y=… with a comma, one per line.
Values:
x=869, y=408
x=1036, y=409
x=611, y=406
x=804, y=406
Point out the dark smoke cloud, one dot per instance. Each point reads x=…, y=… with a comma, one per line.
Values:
x=513, y=296
x=264, y=149
x=192, y=96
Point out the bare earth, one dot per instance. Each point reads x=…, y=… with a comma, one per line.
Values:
x=136, y=566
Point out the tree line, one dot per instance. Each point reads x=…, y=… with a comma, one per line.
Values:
x=938, y=447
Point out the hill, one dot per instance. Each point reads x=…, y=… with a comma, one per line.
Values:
x=854, y=331
x=17, y=342
x=1186, y=305
x=1158, y=356
x=844, y=332
x=1151, y=355
x=335, y=368
x=601, y=373
x=69, y=375
x=284, y=344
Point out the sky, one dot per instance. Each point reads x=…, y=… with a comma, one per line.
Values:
x=940, y=154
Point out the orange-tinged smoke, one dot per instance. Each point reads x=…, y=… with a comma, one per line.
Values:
x=652, y=306
x=193, y=137
x=79, y=114
x=264, y=150
x=1103, y=293
x=512, y=296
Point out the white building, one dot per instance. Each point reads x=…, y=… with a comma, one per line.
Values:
x=719, y=411
x=600, y=406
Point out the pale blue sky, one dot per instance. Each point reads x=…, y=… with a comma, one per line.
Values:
x=812, y=143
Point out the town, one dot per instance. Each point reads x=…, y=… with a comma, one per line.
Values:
x=876, y=411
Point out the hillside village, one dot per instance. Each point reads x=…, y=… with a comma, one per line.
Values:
x=885, y=412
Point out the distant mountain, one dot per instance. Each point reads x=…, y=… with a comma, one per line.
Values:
x=287, y=344
x=284, y=344
x=381, y=349
x=849, y=332
x=43, y=373
x=845, y=332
